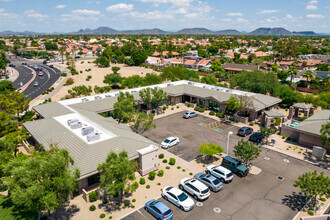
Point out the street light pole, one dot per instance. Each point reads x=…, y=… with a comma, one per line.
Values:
x=229, y=133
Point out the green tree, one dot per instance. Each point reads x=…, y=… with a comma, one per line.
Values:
x=288, y=96
x=323, y=67
x=325, y=134
x=80, y=90
x=292, y=72
x=6, y=85
x=139, y=57
x=313, y=185
x=216, y=66
x=112, y=79
x=141, y=122
x=158, y=96
x=209, y=79
x=129, y=61
x=256, y=81
x=213, y=49
x=246, y=151
x=308, y=74
x=115, y=69
x=210, y=149
x=132, y=82
x=102, y=61
x=251, y=57
x=233, y=104
x=117, y=173
x=145, y=95
x=42, y=181
x=152, y=79
x=124, y=107
x=267, y=131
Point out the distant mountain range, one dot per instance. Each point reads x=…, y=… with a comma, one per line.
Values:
x=156, y=31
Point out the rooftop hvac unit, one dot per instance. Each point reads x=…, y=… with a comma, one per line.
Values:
x=108, y=96
x=170, y=84
x=93, y=137
x=228, y=91
x=190, y=83
x=117, y=94
x=98, y=97
x=72, y=121
x=85, y=100
x=133, y=91
x=87, y=130
x=76, y=125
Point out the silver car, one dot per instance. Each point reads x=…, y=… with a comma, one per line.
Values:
x=210, y=181
x=189, y=114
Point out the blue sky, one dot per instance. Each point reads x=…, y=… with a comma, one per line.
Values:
x=171, y=15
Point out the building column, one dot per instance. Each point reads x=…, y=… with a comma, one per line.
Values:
x=285, y=119
x=268, y=121
x=263, y=118
x=296, y=112
x=311, y=111
x=291, y=112
x=306, y=112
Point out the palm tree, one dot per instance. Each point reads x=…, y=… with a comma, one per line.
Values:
x=308, y=75
x=62, y=49
x=292, y=72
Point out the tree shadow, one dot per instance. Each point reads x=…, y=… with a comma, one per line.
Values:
x=66, y=211
x=115, y=204
x=296, y=201
x=206, y=159
x=324, y=163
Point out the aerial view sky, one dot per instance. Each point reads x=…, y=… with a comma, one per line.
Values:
x=169, y=15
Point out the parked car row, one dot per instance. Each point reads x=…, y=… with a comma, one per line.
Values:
x=198, y=187
x=256, y=137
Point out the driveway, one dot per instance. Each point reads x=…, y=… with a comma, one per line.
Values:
x=263, y=196
x=192, y=133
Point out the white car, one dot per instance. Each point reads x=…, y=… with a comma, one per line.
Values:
x=178, y=198
x=195, y=188
x=220, y=172
x=170, y=142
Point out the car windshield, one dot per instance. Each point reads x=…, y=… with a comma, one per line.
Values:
x=182, y=197
x=216, y=181
x=167, y=212
x=205, y=191
x=167, y=141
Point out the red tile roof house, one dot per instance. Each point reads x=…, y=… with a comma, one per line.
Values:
x=204, y=63
x=175, y=62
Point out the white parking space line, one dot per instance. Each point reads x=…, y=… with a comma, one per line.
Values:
x=140, y=212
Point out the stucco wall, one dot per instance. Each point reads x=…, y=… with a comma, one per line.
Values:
x=309, y=140
x=290, y=132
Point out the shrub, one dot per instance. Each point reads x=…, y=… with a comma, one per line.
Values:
x=283, y=137
x=142, y=181
x=220, y=114
x=178, y=167
x=172, y=161
x=190, y=173
x=203, y=165
x=164, y=161
x=126, y=204
x=310, y=212
x=80, y=71
x=303, y=118
x=288, y=139
x=172, y=108
x=133, y=200
x=231, y=118
x=293, y=140
x=102, y=215
x=183, y=170
x=92, y=208
x=177, y=106
x=92, y=196
x=158, y=184
x=104, y=201
x=212, y=113
x=64, y=74
x=160, y=173
x=161, y=156
x=168, y=167
x=152, y=175
x=164, y=108
x=148, y=186
x=323, y=199
x=206, y=108
x=133, y=206
x=110, y=217
x=135, y=185
x=188, y=104
x=69, y=81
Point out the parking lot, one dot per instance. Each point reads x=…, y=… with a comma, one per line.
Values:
x=263, y=196
x=192, y=133
x=268, y=195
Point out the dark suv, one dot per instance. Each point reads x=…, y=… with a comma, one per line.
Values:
x=256, y=137
x=244, y=131
x=235, y=166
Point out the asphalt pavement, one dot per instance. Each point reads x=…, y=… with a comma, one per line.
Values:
x=50, y=76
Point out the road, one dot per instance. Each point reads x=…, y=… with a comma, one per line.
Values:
x=50, y=76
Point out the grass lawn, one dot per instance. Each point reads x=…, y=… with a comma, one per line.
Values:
x=9, y=211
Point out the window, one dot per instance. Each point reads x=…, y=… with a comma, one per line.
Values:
x=214, y=106
x=206, y=180
x=202, y=102
x=173, y=196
